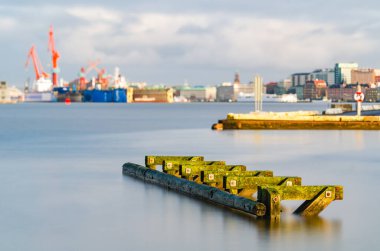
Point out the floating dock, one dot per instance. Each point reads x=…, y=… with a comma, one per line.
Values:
x=233, y=186
x=307, y=120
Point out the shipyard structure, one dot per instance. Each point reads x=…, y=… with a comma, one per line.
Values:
x=338, y=84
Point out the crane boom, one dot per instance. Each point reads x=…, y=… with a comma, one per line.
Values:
x=36, y=63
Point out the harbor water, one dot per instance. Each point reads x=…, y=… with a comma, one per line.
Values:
x=62, y=188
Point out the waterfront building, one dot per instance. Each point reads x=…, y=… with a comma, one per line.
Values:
x=372, y=95
x=241, y=89
x=343, y=72
x=225, y=92
x=328, y=75
x=300, y=78
x=10, y=94
x=159, y=95
x=314, y=89
x=279, y=90
x=285, y=83
x=299, y=92
x=363, y=76
x=198, y=93
x=341, y=94
x=270, y=87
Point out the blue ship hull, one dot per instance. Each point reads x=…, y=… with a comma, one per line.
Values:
x=102, y=96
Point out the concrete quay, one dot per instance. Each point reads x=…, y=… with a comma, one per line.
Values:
x=306, y=120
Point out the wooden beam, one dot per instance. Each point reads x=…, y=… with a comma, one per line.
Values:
x=317, y=198
x=193, y=172
x=216, y=177
x=193, y=189
x=173, y=167
x=247, y=186
x=151, y=161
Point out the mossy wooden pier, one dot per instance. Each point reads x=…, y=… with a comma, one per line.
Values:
x=233, y=186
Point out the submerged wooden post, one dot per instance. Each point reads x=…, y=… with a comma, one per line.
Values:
x=173, y=167
x=205, y=192
x=152, y=160
x=317, y=198
x=216, y=177
x=247, y=186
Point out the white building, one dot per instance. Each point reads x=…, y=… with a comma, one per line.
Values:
x=343, y=72
x=198, y=93
x=10, y=94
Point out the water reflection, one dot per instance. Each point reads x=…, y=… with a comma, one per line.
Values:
x=293, y=224
x=173, y=209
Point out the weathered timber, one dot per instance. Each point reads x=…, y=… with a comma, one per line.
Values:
x=193, y=189
x=193, y=172
x=151, y=161
x=247, y=186
x=173, y=167
x=316, y=198
x=216, y=177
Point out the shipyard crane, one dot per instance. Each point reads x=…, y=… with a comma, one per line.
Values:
x=83, y=72
x=55, y=56
x=102, y=78
x=40, y=73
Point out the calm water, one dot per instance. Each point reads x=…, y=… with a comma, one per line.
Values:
x=61, y=185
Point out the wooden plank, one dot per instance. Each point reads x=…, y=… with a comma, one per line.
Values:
x=173, y=167
x=193, y=172
x=151, y=161
x=216, y=177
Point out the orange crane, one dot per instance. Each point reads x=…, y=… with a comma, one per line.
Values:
x=102, y=79
x=55, y=56
x=83, y=72
x=39, y=71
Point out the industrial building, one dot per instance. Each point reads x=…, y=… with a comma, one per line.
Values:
x=10, y=95
x=158, y=95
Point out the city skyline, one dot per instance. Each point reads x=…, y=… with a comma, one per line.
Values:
x=199, y=42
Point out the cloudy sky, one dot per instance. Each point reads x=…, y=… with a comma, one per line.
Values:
x=198, y=41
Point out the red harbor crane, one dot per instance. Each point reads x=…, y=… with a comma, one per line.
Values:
x=55, y=56
x=102, y=79
x=39, y=71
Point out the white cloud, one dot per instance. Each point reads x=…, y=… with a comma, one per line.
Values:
x=7, y=23
x=197, y=40
x=230, y=41
x=94, y=14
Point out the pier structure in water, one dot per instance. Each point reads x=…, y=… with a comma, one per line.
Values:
x=234, y=186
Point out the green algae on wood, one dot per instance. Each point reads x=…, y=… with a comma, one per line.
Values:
x=247, y=186
x=193, y=172
x=173, y=167
x=317, y=198
x=190, y=188
x=151, y=161
x=216, y=177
